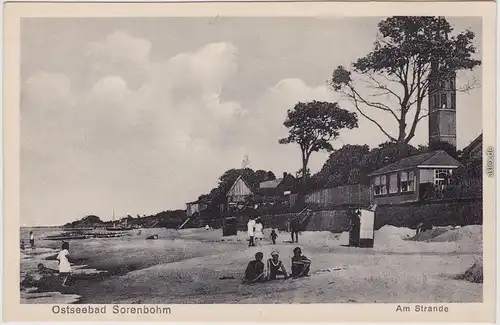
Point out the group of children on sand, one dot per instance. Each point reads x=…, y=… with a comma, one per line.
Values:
x=256, y=234
x=256, y=271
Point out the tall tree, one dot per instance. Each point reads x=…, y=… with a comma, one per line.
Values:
x=394, y=78
x=446, y=146
x=387, y=153
x=312, y=125
x=262, y=176
x=342, y=167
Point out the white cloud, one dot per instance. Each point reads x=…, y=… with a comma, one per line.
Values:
x=144, y=148
x=46, y=88
x=119, y=54
x=120, y=47
x=263, y=126
x=156, y=147
x=131, y=126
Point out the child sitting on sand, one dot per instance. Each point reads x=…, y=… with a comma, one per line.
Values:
x=274, y=235
x=255, y=270
x=37, y=277
x=275, y=267
x=300, y=264
x=64, y=265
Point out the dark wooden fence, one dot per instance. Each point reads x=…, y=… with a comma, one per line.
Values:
x=442, y=212
x=348, y=195
x=468, y=188
x=453, y=205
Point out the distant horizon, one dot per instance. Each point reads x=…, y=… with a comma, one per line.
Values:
x=136, y=117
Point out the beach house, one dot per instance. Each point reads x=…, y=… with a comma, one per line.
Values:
x=474, y=150
x=238, y=193
x=277, y=190
x=412, y=179
x=192, y=208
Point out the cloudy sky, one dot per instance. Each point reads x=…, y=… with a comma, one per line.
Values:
x=145, y=114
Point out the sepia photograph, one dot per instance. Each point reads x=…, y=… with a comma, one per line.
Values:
x=252, y=160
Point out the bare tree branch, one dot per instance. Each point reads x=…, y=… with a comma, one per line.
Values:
x=423, y=116
x=384, y=87
x=356, y=105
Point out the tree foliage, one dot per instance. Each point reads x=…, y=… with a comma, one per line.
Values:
x=351, y=164
x=471, y=169
x=312, y=125
x=446, y=146
x=388, y=153
x=409, y=55
x=342, y=167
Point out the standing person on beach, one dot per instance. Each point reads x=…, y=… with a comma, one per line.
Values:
x=64, y=265
x=251, y=231
x=274, y=235
x=32, y=240
x=294, y=230
x=259, y=235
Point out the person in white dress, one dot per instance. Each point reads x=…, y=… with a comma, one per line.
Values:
x=251, y=231
x=64, y=265
x=259, y=235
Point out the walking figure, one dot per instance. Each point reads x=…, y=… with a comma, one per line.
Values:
x=294, y=230
x=32, y=240
x=274, y=235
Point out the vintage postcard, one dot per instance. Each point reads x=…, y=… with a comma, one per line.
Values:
x=249, y=162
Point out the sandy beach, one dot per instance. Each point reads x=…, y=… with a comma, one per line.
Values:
x=199, y=266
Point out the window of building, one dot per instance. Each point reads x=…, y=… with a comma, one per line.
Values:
x=442, y=176
x=436, y=100
x=444, y=103
x=407, y=181
x=380, y=185
x=393, y=183
x=383, y=184
x=376, y=185
x=442, y=84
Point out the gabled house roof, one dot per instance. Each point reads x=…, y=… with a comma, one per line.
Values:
x=430, y=159
x=269, y=191
x=477, y=141
x=271, y=184
x=236, y=182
